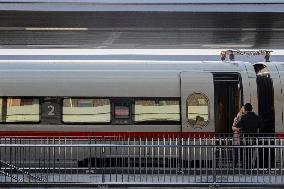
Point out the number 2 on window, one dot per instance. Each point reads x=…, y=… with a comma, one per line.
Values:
x=50, y=110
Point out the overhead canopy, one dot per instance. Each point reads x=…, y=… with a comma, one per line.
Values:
x=148, y=24
x=145, y=5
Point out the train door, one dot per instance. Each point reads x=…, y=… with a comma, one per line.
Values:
x=266, y=110
x=265, y=93
x=197, y=97
x=228, y=93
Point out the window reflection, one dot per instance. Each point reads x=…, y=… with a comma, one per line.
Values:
x=197, y=110
x=86, y=110
x=122, y=112
x=159, y=110
x=21, y=110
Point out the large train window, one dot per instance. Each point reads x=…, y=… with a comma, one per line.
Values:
x=15, y=110
x=153, y=111
x=83, y=110
x=197, y=110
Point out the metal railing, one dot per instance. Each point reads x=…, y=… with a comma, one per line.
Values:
x=207, y=161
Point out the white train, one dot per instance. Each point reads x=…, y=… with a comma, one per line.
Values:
x=136, y=98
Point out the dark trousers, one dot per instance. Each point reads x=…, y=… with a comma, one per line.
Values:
x=248, y=154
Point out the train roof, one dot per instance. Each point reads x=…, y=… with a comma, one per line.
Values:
x=121, y=65
x=101, y=79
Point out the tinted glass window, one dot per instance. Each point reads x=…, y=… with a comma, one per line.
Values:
x=122, y=112
x=197, y=110
x=157, y=110
x=20, y=110
x=86, y=110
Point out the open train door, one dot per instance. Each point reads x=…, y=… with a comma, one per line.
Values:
x=197, y=103
x=266, y=77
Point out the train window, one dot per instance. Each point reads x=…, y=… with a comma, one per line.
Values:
x=121, y=112
x=197, y=110
x=19, y=110
x=157, y=111
x=76, y=110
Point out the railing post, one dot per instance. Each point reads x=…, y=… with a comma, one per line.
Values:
x=214, y=166
x=180, y=144
x=103, y=163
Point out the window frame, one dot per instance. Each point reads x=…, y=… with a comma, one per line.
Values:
x=158, y=122
x=85, y=123
x=208, y=109
x=114, y=120
x=131, y=101
x=23, y=122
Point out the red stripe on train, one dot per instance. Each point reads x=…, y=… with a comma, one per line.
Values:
x=279, y=135
x=69, y=134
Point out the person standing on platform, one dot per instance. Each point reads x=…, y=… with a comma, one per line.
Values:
x=236, y=120
x=236, y=136
x=249, y=125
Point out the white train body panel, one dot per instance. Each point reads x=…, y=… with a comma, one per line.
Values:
x=137, y=79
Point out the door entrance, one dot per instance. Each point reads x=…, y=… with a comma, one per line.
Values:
x=227, y=101
x=265, y=93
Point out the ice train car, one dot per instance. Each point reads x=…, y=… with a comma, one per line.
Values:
x=136, y=98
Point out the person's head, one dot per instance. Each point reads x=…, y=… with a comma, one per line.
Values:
x=248, y=107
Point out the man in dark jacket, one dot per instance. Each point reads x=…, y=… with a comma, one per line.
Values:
x=249, y=122
x=249, y=125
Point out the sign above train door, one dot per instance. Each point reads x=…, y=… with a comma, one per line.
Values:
x=197, y=101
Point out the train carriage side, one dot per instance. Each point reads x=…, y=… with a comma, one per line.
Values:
x=97, y=103
x=97, y=99
x=194, y=99
x=113, y=99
